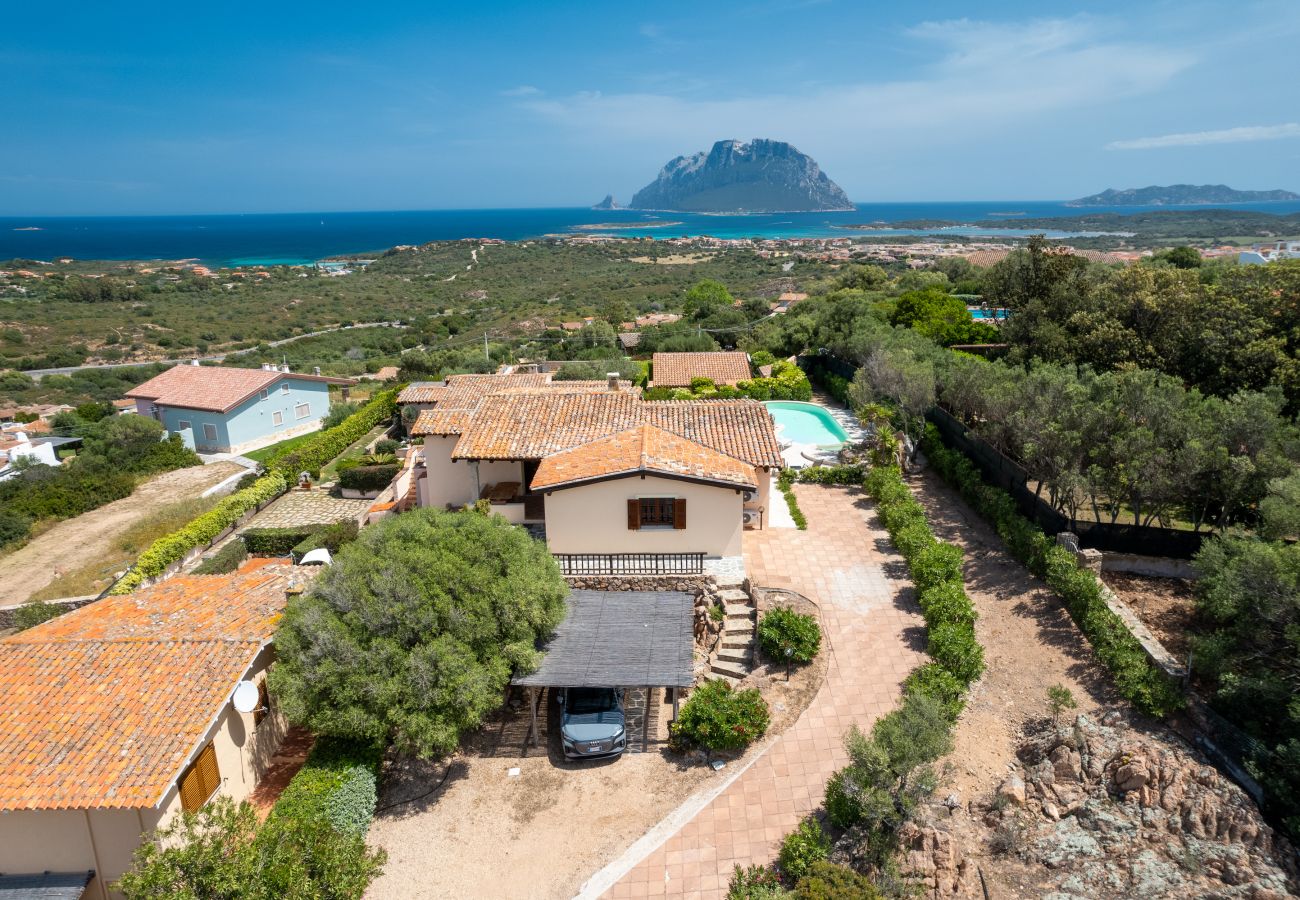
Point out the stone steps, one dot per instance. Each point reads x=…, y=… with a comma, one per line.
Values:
x=730, y=669
x=739, y=611
x=733, y=595
x=743, y=655
x=743, y=639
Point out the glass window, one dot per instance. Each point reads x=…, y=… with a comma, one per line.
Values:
x=183, y=424
x=284, y=388
x=656, y=511
x=209, y=431
x=263, y=393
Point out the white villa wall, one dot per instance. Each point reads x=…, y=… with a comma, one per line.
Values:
x=445, y=482
x=75, y=840
x=593, y=518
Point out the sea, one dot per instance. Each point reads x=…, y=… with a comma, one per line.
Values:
x=303, y=238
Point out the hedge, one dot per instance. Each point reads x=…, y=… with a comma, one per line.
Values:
x=227, y=559
x=368, y=478
x=322, y=449
x=172, y=548
x=784, y=483
x=1136, y=677
x=336, y=784
x=832, y=475
x=277, y=541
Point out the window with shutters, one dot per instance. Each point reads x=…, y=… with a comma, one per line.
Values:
x=200, y=781
x=302, y=410
x=656, y=512
x=277, y=418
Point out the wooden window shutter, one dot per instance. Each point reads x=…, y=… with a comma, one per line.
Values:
x=201, y=781
x=634, y=515
x=679, y=512
x=263, y=704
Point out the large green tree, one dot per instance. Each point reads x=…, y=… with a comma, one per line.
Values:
x=414, y=632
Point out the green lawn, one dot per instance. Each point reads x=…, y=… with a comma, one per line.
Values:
x=284, y=446
x=358, y=447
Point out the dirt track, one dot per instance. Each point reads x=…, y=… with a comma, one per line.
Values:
x=73, y=543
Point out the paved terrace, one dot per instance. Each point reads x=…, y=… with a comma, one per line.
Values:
x=314, y=507
x=875, y=634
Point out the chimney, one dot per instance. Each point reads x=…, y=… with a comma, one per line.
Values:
x=315, y=370
x=194, y=362
x=612, y=378
x=284, y=369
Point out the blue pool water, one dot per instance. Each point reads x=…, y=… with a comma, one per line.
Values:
x=988, y=313
x=805, y=423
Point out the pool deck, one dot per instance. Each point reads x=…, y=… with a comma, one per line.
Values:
x=794, y=455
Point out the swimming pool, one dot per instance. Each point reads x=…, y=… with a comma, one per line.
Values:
x=997, y=314
x=805, y=423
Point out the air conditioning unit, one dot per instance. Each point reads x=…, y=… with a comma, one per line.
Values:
x=752, y=518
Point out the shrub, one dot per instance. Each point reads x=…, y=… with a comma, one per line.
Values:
x=331, y=537
x=227, y=559
x=338, y=412
x=784, y=483
x=789, y=636
x=324, y=446
x=912, y=538
x=368, y=478
x=756, y=883
x=947, y=603
x=832, y=475
x=1059, y=698
x=716, y=717
x=386, y=446
x=276, y=541
x=934, y=565
x=935, y=682
x=953, y=646
x=336, y=785
x=173, y=547
x=828, y=881
x=34, y=612
x=801, y=848
x=14, y=527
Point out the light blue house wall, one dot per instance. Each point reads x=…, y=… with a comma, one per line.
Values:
x=300, y=405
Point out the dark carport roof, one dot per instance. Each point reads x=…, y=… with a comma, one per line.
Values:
x=620, y=638
x=45, y=885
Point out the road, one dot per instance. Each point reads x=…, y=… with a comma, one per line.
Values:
x=38, y=374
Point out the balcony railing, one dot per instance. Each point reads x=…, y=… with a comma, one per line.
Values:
x=630, y=563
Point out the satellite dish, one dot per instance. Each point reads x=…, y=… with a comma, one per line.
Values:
x=246, y=696
x=318, y=557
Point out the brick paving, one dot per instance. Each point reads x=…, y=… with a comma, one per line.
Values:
x=876, y=637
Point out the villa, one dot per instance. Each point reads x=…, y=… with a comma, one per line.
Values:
x=676, y=370
x=620, y=485
x=220, y=409
x=118, y=715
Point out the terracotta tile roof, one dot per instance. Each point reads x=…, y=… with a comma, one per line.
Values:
x=677, y=369
x=464, y=393
x=645, y=448
x=422, y=392
x=739, y=428
x=441, y=421
x=105, y=705
x=214, y=388
x=535, y=424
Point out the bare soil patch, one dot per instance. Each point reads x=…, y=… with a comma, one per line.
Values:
x=89, y=539
x=1165, y=605
x=675, y=259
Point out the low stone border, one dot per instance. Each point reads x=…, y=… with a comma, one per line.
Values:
x=9, y=614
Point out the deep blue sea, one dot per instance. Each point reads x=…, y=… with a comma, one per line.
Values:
x=295, y=238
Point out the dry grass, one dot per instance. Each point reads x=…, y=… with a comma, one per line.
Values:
x=95, y=575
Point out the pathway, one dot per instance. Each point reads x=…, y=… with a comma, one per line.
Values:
x=315, y=507
x=845, y=563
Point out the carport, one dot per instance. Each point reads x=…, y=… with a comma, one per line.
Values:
x=618, y=639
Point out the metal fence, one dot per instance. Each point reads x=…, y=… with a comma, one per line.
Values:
x=630, y=563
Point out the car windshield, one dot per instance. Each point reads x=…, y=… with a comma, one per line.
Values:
x=590, y=700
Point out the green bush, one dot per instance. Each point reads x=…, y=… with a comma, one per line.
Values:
x=954, y=646
x=832, y=475
x=934, y=681
x=337, y=784
x=935, y=565
x=789, y=636
x=322, y=449
x=34, y=612
x=827, y=881
x=784, y=483
x=806, y=845
x=368, y=478
x=386, y=446
x=276, y=541
x=227, y=559
x=331, y=537
x=173, y=547
x=912, y=538
x=946, y=603
x=716, y=717
x=1135, y=676
x=14, y=527
x=756, y=883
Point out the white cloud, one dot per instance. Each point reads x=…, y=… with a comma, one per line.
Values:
x=1242, y=135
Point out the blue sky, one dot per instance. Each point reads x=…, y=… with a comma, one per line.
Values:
x=189, y=108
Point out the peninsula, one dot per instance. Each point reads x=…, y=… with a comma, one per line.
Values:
x=1180, y=195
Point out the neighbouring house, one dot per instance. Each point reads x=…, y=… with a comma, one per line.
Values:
x=675, y=370
x=125, y=406
x=621, y=485
x=1259, y=254
x=119, y=715
x=630, y=339
x=219, y=409
x=40, y=450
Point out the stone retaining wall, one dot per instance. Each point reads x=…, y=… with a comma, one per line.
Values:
x=687, y=584
x=9, y=614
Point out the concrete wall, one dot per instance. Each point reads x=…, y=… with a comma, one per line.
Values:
x=445, y=482
x=593, y=518
x=33, y=841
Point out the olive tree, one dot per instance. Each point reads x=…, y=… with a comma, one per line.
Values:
x=414, y=632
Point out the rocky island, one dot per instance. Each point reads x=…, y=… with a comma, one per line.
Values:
x=760, y=176
x=1180, y=195
x=608, y=203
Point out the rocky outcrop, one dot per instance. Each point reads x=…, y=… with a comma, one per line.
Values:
x=759, y=176
x=607, y=203
x=1110, y=812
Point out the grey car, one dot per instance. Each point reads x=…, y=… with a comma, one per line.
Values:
x=591, y=722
